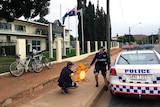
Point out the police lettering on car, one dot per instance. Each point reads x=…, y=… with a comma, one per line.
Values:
x=137, y=71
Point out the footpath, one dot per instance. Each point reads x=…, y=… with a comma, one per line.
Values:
x=41, y=90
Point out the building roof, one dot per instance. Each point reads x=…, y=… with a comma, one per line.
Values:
x=42, y=24
x=32, y=22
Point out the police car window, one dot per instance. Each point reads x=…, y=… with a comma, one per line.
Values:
x=139, y=58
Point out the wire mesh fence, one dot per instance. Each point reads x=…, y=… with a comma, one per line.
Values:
x=7, y=53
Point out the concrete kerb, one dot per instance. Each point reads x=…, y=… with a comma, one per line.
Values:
x=92, y=101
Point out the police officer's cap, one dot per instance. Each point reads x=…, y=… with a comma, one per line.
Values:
x=102, y=48
x=69, y=63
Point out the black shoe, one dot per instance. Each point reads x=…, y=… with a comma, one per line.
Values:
x=106, y=88
x=107, y=83
x=97, y=84
x=66, y=91
x=63, y=92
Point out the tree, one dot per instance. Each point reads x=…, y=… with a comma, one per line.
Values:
x=153, y=38
x=79, y=6
x=44, y=11
x=42, y=20
x=72, y=38
x=94, y=22
x=129, y=38
x=100, y=23
x=90, y=23
x=11, y=9
x=122, y=39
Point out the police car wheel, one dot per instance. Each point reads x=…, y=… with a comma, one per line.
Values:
x=112, y=93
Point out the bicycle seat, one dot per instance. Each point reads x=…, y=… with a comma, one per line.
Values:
x=18, y=55
x=34, y=51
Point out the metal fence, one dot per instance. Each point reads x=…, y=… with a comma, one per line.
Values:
x=7, y=52
x=7, y=48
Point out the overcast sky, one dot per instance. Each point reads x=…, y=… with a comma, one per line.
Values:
x=143, y=16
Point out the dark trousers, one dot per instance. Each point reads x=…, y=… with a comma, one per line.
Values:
x=64, y=85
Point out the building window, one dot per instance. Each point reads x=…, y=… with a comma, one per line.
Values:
x=20, y=28
x=8, y=38
x=5, y=26
x=67, y=33
x=36, y=44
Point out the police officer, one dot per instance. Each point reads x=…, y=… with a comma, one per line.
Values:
x=65, y=80
x=100, y=65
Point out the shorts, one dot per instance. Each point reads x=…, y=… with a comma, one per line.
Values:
x=67, y=85
x=100, y=68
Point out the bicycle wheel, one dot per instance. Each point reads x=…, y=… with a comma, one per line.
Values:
x=47, y=63
x=37, y=66
x=30, y=69
x=16, y=69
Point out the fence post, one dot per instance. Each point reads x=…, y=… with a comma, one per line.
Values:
x=77, y=48
x=88, y=47
x=21, y=48
x=59, y=50
x=111, y=44
x=50, y=41
x=105, y=44
x=96, y=46
x=101, y=43
x=118, y=45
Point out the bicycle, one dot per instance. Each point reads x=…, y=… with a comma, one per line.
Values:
x=18, y=67
x=45, y=61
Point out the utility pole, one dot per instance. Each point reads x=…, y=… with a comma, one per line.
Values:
x=130, y=28
x=159, y=36
x=129, y=34
x=82, y=25
x=152, y=38
x=108, y=29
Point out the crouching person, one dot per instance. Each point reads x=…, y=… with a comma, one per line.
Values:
x=65, y=80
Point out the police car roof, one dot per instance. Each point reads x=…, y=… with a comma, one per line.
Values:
x=137, y=51
x=138, y=47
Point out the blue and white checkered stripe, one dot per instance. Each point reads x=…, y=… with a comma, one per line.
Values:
x=155, y=80
x=135, y=89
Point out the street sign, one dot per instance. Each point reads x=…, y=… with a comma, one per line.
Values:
x=57, y=27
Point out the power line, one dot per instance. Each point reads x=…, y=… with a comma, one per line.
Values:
x=122, y=13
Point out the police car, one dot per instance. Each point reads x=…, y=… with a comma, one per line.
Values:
x=136, y=72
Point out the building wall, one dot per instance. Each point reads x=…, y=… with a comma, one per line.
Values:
x=13, y=38
x=3, y=38
x=30, y=34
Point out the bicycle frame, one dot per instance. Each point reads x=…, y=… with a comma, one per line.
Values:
x=44, y=60
x=25, y=63
x=41, y=57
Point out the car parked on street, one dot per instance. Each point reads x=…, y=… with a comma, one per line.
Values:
x=136, y=72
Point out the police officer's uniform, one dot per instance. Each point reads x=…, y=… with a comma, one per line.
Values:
x=102, y=61
x=65, y=80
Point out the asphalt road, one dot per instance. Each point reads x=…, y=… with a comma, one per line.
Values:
x=108, y=100
x=157, y=48
x=119, y=101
